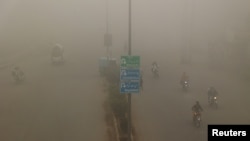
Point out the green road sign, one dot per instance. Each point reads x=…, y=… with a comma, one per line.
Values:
x=130, y=61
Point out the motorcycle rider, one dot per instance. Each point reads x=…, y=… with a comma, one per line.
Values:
x=184, y=78
x=211, y=93
x=17, y=73
x=57, y=51
x=197, y=109
x=154, y=66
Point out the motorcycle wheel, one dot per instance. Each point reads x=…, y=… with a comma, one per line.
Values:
x=216, y=105
x=197, y=123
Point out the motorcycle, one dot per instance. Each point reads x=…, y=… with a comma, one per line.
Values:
x=197, y=119
x=155, y=72
x=18, y=76
x=185, y=85
x=57, y=60
x=213, y=102
x=57, y=55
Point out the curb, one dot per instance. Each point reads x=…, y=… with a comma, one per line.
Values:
x=116, y=127
x=117, y=131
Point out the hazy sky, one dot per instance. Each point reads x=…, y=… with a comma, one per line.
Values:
x=154, y=22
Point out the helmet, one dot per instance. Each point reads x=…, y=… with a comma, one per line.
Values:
x=197, y=102
x=16, y=67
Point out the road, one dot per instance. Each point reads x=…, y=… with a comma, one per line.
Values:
x=162, y=111
x=55, y=103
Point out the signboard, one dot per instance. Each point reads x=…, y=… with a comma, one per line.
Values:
x=130, y=74
x=130, y=87
x=130, y=61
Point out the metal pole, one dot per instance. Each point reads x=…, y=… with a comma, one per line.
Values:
x=129, y=53
x=107, y=26
x=129, y=30
x=107, y=17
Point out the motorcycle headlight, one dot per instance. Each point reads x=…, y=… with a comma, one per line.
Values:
x=215, y=97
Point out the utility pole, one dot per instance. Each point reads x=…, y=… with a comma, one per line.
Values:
x=129, y=53
x=107, y=26
x=107, y=17
x=107, y=35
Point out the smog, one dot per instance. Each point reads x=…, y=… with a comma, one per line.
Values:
x=62, y=93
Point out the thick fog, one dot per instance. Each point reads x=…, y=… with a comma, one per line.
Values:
x=158, y=24
x=208, y=39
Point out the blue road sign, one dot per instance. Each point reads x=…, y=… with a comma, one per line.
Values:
x=130, y=87
x=130, y=74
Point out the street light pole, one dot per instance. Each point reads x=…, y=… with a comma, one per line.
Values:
x=107, y=17
x=107, y=27
x=129, y=53
x=107, y=35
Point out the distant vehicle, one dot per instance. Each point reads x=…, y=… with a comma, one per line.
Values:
x=18, y=74
x=213, y=102
x=197, y=109
x=212, y=97
x=185, y=86
x=57, y=54
x=197, y=119
x=155, y=72
x=184, y=81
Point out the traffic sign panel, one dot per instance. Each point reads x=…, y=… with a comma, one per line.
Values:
x=130, y=61
x=130, y=74
x=130, y=86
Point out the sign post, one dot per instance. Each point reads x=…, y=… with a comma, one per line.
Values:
x=129, y=53
x=130, y=74
x=130, y=81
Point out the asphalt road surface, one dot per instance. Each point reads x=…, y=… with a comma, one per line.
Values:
x=54, y=103
x=162, y=111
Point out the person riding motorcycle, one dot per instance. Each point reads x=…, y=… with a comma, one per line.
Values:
x=57, y=51
x=211, y=93
x=197, y=109
x=184, y=78
x=154, y=66
x=17, y=73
